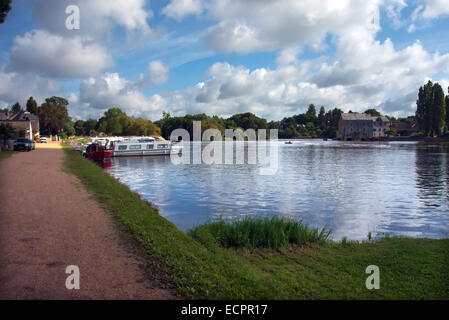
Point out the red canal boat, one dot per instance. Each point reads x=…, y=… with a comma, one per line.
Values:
x=97, y=152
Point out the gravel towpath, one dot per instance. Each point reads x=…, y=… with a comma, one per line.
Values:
x=48, y=222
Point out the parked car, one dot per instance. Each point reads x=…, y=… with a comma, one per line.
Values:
x=43, y=140
x=24, y=144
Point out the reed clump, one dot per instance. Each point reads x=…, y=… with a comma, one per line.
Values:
x=263, y=232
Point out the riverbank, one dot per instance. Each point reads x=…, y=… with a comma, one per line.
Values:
x=202, y=269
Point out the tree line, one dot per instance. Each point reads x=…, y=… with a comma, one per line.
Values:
x=432, y=118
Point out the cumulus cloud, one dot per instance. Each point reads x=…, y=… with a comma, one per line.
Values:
x=178, y=9
x=52, y=55
x=247, y=26
x=158, y=72
x=97, y=16
x=363, y=73
x=435, y=8
x=19, y=87
x=109, y=90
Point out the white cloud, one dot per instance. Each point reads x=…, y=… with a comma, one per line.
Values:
x=426, y=11
x=178, y=9
x=19, y=87
x=364, y=73
x=247, y=26
x=52, y=55
x=109, y=90
x=97, y=16
x=158, y=72
x=435, y=8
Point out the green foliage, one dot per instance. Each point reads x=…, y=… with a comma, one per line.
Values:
x=392, y=132
x=5, y=7
x=265, y=232
x=69, y=127
x=16, y=108
x=59, y=101
x=431, y=109
x=116, y=122
x=90, y=126
x=309, y=126
x=438, y=110
x=32, y=106
x=7, y=132
x=446, y=102
x=373, y=112
x=311, y=112
x=52, y=118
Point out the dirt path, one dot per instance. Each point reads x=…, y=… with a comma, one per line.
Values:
x=48, y=222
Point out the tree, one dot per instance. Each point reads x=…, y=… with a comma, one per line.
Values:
x=446, y=102
x=79, y=128
x=5, y=7
x=32, y=106
x=165, y=115
x=110, y=122
x=322, y=117
x=16, y=108
x=373, y=112
x=52, y=118
x=438, y=110
x=90, y=125
x=423, y=110
x=7, y=132
x=61, y=102
x=69, y=127
x=311, y=111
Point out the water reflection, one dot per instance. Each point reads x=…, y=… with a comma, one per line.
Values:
x=352, y=188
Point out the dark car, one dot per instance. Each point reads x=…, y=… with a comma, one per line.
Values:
x=23, y=144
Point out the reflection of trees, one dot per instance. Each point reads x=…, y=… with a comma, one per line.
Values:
x=447, y=171
x=431, y=172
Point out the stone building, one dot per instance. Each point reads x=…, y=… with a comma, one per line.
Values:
x=361, y=126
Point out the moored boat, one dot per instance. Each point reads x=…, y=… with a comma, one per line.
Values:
x=143, y=146
x=97, y=152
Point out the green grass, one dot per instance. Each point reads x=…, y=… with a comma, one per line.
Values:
x=6, y=154
x=273, y=233
x=202, y=268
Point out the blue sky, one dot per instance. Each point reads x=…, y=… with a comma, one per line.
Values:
x=222, y=57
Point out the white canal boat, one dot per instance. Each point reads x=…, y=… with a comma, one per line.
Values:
x=143, y=146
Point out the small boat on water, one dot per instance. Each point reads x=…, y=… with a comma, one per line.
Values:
x=97, y=152
x=288, y=142
x=143, y=146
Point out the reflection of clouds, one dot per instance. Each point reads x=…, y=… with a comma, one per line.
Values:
x=353, y=189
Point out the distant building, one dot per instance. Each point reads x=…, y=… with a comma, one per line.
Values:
x=406, y=129
x=361, y=126
x=23, y=121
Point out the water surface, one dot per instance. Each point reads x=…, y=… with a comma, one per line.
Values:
x=351, y=188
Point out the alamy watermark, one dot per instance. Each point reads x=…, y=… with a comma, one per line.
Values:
x=252, y=143
x=73, y=280
x=373, y=281
x=73, y=20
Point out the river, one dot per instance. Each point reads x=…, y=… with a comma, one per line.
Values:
x=396, y=188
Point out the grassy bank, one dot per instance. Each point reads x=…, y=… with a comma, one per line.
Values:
x=6, y=154
x=202, y=268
